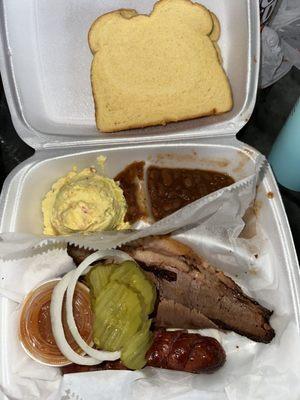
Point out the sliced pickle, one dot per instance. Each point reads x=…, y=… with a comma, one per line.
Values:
x=130, y=274
x=134, y=351
x=97, y=278
x=118, y=316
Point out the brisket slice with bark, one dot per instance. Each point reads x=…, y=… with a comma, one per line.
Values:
x=193, y=293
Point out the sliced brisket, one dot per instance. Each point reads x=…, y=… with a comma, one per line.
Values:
x=192, y=293
x=201, y=287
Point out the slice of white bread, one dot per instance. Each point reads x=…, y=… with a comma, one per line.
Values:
x=150, y=70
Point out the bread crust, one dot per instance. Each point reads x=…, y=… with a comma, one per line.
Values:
x=216, y=31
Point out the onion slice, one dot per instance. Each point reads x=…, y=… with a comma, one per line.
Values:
x=57, y=326
x=81, y=270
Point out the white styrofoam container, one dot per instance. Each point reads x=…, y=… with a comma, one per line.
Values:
x=27, y=185
x=45, y=62
x=46, y=71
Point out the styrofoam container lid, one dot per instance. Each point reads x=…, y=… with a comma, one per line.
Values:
x=45, y=64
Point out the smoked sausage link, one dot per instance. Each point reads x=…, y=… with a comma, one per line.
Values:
x=183, y=351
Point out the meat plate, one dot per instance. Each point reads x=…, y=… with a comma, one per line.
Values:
x=46, y=80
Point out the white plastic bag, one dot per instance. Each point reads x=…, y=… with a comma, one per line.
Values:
x=281, y=43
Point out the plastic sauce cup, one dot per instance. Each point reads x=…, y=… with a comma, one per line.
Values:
x=35, y=332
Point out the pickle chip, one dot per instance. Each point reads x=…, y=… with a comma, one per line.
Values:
x=97, y=278
x=118, y=316
x=130, y=274
x=134, y=351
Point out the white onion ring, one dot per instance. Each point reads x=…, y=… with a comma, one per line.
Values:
x=57, y=326
x=81, y=270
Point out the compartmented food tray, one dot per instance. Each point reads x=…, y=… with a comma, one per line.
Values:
x=22, y=207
